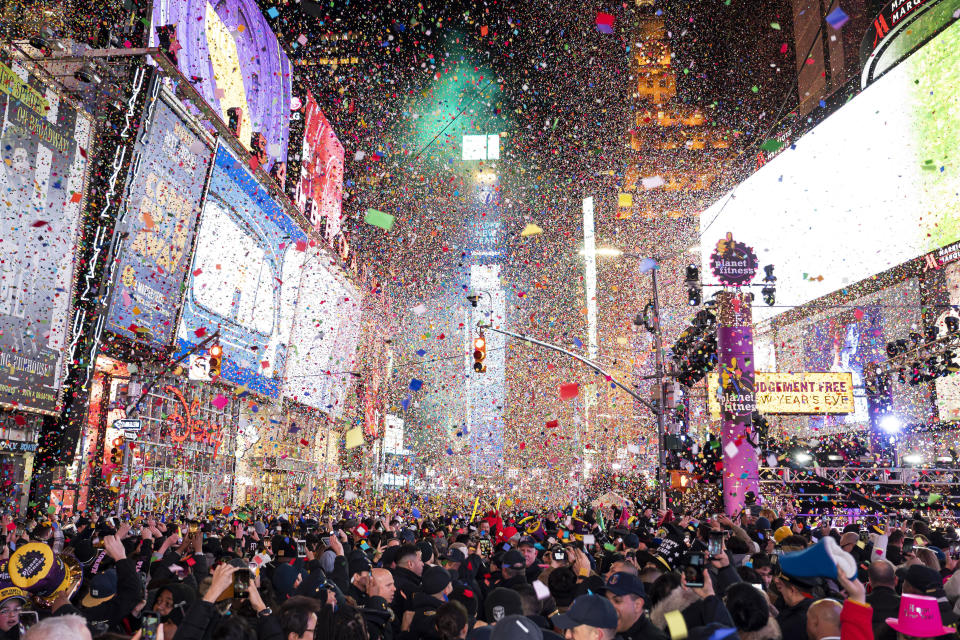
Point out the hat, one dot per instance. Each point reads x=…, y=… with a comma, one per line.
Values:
x=103, y=587
x=516, y=628
x=762, y=523
x=426, y=551
x=514, y=560
x=9, y=593
x=631, y=541
x=528, y=541
x=781, y=533
x=260, y=528
x=919, y=617
x=500, y=603
x=622, y=583
x=35, y=568
x=84, y=552
x=454, y=554
x=823, y=560
x=466, y=596
x=434, y=580
x=924, y=579
x=591, y=610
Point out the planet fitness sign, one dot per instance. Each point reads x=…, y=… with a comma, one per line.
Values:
x=733, y=263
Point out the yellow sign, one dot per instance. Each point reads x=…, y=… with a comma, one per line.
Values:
x=794, y=393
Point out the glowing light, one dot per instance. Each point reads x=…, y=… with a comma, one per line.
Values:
x=891, y=424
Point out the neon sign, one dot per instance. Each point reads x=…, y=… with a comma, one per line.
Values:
x=183, y=424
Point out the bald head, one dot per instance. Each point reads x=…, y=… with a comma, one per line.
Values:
x=823, y=619
x=382, y=584
x=882, y=573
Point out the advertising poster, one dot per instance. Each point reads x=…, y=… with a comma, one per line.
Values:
x=239, y=66
x=319, y=190
x=846, y=342
x=244, y=279
x=160, y=218
x=44, y=143
x=737, y=398
x=343, y=360
x=794, y=393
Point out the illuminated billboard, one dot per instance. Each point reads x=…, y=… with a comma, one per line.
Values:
x=799, y=393
x=161, y=211
x=230, y=55
x=319, y=185
x=871, y=187
x=245, y=278
x=44, y=142
x=318, y=318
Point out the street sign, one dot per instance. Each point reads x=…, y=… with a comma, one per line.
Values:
x=131, y=425
x=129, y=435
x=199, y=367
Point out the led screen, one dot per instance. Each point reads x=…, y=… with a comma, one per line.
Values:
x=871, y=187
x=245, y=278
x=159, y=218
x=319, y=191
x=229, y=53
x=43, y=143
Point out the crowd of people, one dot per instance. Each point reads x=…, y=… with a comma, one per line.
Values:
x=641, y=576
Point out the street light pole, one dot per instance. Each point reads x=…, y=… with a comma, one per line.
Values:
x=658, y=343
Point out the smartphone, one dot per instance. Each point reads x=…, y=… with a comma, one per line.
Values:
x=955, y=550
x=693, y=573
x=774, y=558
x=864, y=536
x=715, y=543
x=485, y=547
x=241, y=583
x=589, y=539
x=908, y=545
x=301, y=548
x=27, y=620
x=148, y=626
x=193, y=527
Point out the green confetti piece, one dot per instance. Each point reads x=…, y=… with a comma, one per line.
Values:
x=379, y=219
x=755, y=89
x=775, y=25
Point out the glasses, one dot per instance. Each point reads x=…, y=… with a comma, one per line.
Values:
x=11, y=611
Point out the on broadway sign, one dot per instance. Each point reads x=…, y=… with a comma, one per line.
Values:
x=794, y=393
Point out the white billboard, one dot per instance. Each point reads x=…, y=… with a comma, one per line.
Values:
x=873, y=186
x=318, y=358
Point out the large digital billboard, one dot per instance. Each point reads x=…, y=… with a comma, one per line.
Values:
x=873, y=186
x=245, y=278
x=44, y=142
x=319, y=187
x=321, y=357
x=160, y=216
x=227, y=50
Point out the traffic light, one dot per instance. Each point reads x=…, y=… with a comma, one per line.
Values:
x=479, y=354
x=116, y=451
x=215, y=355
x=692, y=282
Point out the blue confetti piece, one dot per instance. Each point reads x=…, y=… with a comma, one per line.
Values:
x=421, y=352
x=405, y=403
x=578, y=343
x=416, y=385
x=273, y=13
x=837, y=18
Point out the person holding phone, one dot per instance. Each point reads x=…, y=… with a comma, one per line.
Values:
x=12, y=601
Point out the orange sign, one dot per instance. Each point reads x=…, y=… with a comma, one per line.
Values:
x=184, y=425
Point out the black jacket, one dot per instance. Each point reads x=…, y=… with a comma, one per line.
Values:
x=112, y=612
x=408, y=584
x=510, y=583
x=886, y=604
x=424, y=609
x=793, y=620
x=378, y=616
x=644, y=629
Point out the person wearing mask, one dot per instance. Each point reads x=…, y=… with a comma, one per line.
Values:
x=590, y=617
x=626, y=593
x=883, y=597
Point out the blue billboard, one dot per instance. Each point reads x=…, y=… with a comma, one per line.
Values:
x=245, y=278
x=160, y=218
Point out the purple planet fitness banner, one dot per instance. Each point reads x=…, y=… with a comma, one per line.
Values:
x=737, y=398
x=219, y=45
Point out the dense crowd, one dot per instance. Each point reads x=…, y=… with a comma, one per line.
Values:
x=647, y=575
